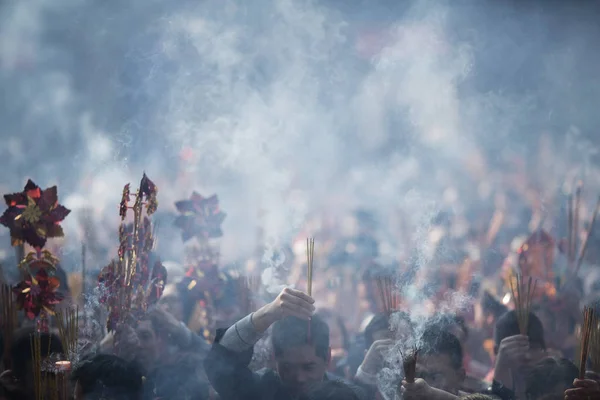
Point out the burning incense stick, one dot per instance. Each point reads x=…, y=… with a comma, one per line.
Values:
x=390, y=299
x=68, y=330
x=37, y=360
x=521, y=294
x=594, y=349
x=570, y=249
x=585, y=242
x=83, y=271
x=586, y=331
x=248, y=286
x=9, y=320
x=575, y=230
x=409, y=363
x=310, y=250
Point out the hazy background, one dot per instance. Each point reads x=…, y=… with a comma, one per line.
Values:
x=292, y=106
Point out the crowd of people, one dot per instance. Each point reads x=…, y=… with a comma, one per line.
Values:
x=217, y=331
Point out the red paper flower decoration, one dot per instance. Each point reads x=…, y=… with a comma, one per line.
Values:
x=33, y=215
x=37, y=293
x=200, y=217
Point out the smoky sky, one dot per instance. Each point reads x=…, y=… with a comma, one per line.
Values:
x=293, y=106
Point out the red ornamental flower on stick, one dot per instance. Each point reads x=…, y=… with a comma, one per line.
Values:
x=33, y=215
x=200, y=217
x=37, y=293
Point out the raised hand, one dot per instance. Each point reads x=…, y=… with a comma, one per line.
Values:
x=289, y=303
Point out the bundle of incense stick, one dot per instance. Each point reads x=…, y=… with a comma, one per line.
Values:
x=9, y=320
x=586, y=331
x=575, y=250
x=40, y=375
x=409, y=363
x=594, y=350
x=310, y=250
x=68, y=330
x=585, y=241
x=248, y=286
x=522, y=293
x=390, y=299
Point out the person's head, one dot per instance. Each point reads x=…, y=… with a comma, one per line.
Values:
x=301, y=355
x=153, y=337
x=508, y=325
x=451, y=323
x=440, y=360
x=458, y=327
x=21, y=355
x=549, y=379
x=338, y=334
x=377, y=329
x=105, y=376
x=329, y=390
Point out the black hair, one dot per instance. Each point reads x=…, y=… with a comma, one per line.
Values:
x=108, y=376
x=379, y=322
x=508, y=325
x=547, y=374
x=435, y=341
x=446, y=321
x=330, y=390
x=327, y=313
x=291, y=332
x=20, y=350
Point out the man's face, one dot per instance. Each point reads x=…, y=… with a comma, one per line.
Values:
x=149, y=344
x=438, y=372
x=299, y=367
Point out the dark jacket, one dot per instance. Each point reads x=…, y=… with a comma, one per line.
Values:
x=229, y=375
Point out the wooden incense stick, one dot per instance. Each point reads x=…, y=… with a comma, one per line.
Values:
x=584, y=244
x=390, y=299
x=68, y=330
x=586, y=331
x=9, y=321
x=576, y=206
x=594, y=349
x=522, y=292
x=310, y=250
x=83, y=271
x=38, y=371
x=570, y=256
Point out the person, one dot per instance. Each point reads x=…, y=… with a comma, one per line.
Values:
x=338, y=339
x=515, y=353
x=106, y=376
x=18, y=382
x=300, y=343
x=440, y=361
x=550, y=378
x=170, y=354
